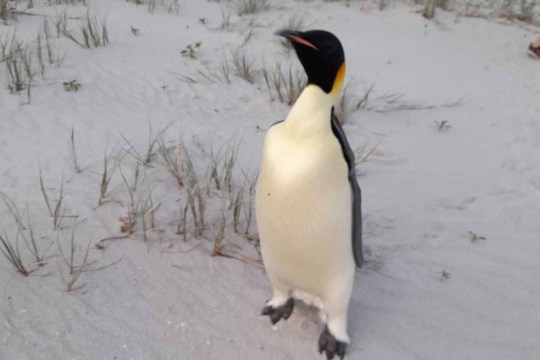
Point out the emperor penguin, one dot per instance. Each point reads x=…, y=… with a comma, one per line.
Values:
x=308, y=202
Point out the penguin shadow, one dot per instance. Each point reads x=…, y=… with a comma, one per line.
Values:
x=361, y=318
x=305, y=324
x=307, y=318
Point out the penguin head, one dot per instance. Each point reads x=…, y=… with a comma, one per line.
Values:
x=322, y=57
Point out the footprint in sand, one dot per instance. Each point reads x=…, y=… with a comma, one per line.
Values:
x=376, y=224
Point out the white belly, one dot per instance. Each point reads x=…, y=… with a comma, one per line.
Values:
x=304, y=212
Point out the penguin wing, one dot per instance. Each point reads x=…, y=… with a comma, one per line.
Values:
x=348, y=154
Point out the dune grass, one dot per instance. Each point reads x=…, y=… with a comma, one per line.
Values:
x=92, y=31
x=10, y=250
x=9, y=245
x=249, y=7
x=74, y=270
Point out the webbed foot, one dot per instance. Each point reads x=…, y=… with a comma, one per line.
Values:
x=280, y=312
x=331, y=346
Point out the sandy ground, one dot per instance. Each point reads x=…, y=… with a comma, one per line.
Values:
x=425, y=189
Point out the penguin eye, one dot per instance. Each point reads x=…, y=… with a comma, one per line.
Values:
x=328, y=48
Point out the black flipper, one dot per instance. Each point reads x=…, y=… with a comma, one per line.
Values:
x=348, y=154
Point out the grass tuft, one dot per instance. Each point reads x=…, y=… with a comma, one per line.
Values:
x=172, y=6
x=196, y=193
x=383, y=103
x=58, y=213
x=107, y=174
x=362, y=153
x=10, y=247
x=6, y=12
x=19, y=61
x=12, y=254
x=248, y=7
x=225, y=19
x=284, y=84
x=243, y=67
x=219, y=235
x=93, y=31
x=172, y=158
x=223, y=73
x=31, y=243
x=44, y=192
x=74, y=270
x=248, y=208
x=73, y=152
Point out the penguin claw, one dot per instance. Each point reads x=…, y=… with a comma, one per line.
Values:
x=331, y=346
x=281, y=312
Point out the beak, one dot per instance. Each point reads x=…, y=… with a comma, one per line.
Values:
x=296, y=37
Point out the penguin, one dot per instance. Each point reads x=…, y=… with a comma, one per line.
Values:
x=308, y=202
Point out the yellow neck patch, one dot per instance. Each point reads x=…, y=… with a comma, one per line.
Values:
x=340, y=77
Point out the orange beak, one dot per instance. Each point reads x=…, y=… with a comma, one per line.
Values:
x=296, y=36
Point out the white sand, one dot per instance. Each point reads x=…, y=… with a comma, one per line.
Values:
x=423, y=189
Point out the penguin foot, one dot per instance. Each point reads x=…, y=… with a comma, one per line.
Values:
x=280, y=312
x=331, y=346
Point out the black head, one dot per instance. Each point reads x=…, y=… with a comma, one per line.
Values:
x=321, y=55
